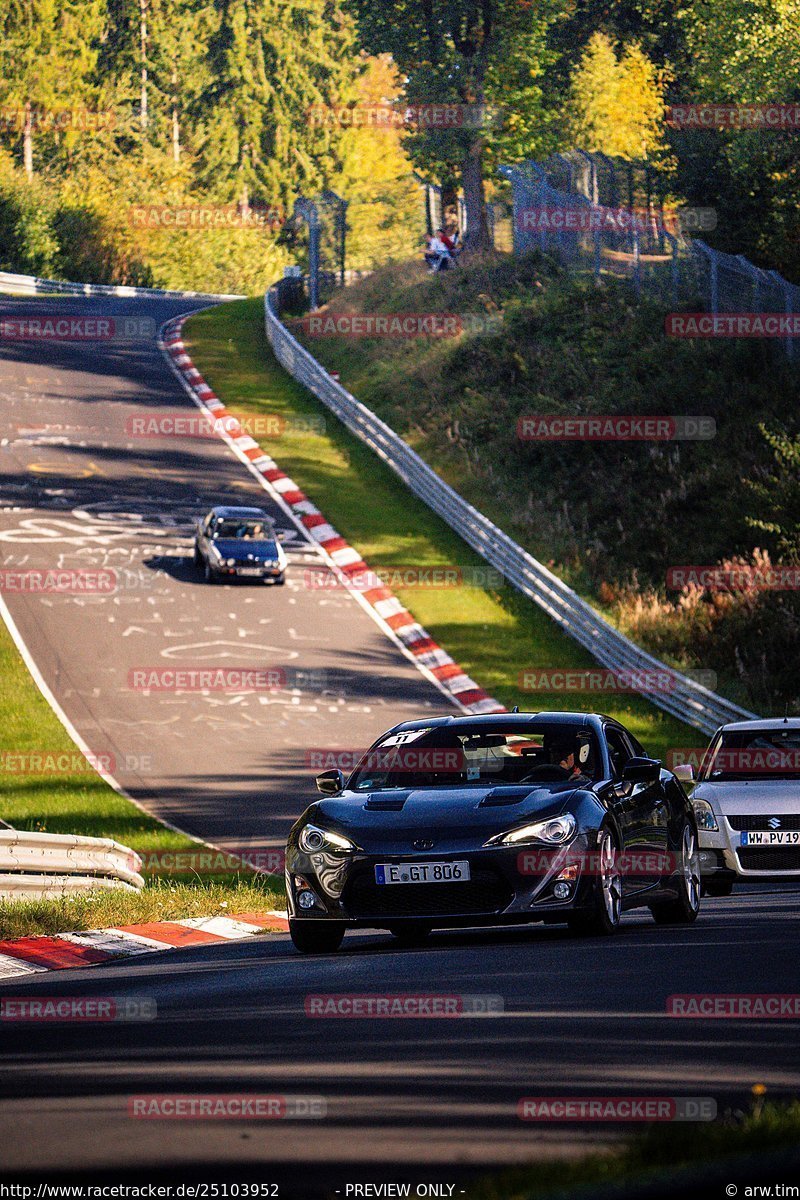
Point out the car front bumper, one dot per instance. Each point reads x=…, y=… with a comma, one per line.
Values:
x=722, y=851
x=507, y=884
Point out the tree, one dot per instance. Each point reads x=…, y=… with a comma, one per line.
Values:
x=617, y=102
x=270, y=66
x=385, y=212
x=46, y=56
x=472, y=53
x=745, y=52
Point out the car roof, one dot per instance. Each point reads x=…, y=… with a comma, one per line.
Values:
x=514, y=720
x=222, y=510
x=764, y=723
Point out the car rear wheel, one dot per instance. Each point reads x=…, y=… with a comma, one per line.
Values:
x=684, y=908
x=316, y=937
x=603, y=918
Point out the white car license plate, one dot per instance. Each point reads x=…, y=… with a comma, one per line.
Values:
x=250, y=571
x=787, y=837
x=432, y=872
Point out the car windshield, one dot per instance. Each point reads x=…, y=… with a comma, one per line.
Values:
x=243, y=530
x=477, y=755
x=754, y=754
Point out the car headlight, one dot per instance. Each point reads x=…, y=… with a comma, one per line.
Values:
x=704, y=815
x=231, y=562
x=553, y=832
x=313, y=839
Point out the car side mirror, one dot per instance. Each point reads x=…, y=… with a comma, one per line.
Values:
x=330, y=783
x=683, y=773
x=641, y=770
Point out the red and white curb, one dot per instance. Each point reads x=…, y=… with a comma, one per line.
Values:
x=33, y=955
x=434, y=662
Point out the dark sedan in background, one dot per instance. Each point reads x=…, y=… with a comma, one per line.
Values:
x=239, y=543
x=464, y=821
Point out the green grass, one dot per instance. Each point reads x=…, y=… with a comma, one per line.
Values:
x=651, y=1156
x=159, y=901
x=83, y=803
x=492, y=633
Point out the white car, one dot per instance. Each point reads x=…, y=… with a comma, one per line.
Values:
x=747, y=804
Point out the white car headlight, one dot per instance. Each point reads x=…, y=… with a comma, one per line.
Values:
x=553, y=832
x=704, y=815
x=313, y=840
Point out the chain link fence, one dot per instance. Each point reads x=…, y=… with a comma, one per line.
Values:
x=600, y=215
x=325, y=223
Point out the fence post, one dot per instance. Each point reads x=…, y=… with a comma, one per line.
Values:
x=637, y=265
x=786, y=288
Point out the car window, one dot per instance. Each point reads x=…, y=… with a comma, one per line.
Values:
x=763, y=754
x=503, y=753
x=619, y=749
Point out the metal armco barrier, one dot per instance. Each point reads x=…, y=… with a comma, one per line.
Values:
x=45, y=864
x=32, y=285
x=686, y=699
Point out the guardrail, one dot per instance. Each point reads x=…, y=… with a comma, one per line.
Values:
x=33, y=285
x=44, y=864
x=686, y=699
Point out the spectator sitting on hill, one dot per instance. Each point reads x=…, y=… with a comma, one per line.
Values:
x=437, y=255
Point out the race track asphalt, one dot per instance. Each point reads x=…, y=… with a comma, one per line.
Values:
x=79, y=489
x=578, y=1018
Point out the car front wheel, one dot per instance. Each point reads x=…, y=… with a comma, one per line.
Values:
x=316, y=937
x=684, y=908
x=604, y=916
x=209, y=574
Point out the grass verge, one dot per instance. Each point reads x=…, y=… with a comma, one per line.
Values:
x=494, y=633
x=652, y=1158
x=83, y=803
x=160, y=900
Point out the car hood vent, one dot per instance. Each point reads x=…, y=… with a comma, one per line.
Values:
x=386, y=803
x=500, y=796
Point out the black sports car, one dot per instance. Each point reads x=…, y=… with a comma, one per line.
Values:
x=465, y=821
x=239, y=543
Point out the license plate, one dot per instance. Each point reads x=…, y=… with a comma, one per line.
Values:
x=432, y=872
x=787, y=837
x=250, y=571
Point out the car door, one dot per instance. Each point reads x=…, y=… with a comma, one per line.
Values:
x=642, y=815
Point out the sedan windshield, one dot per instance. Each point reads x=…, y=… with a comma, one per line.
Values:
x=755, y=754
x=480, y=755
x=247, y=530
